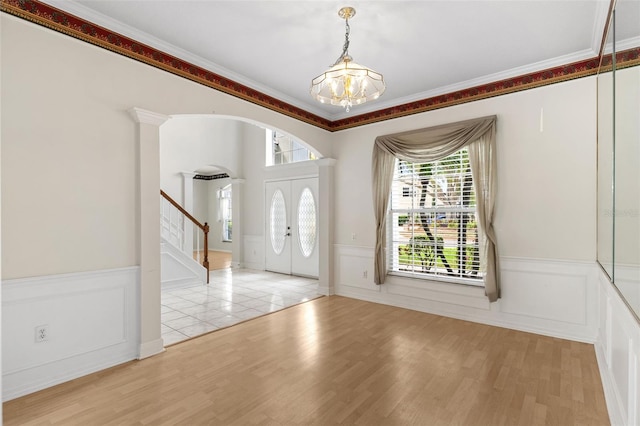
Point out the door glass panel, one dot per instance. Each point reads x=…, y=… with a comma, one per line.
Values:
x=278, y=221
x=307, y=222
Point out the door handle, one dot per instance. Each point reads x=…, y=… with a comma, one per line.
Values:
x=288, y=234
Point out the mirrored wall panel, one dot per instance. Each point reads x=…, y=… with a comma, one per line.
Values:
x=619, y=154
x=605, y=166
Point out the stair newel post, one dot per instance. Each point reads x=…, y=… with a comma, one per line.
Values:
x=205, y=228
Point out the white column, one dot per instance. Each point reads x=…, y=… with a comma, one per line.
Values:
x=148, y=208
x=325, y=224
x=237, y=237
x=187, y=203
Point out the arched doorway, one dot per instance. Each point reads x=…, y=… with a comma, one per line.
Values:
x=149, y=141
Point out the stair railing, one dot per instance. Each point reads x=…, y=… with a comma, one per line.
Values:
x=173, y=225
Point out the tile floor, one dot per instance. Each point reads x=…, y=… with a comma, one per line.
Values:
x=232, y=296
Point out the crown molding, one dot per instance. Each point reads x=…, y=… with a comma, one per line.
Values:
x=536, y=75
x=494, y=78
x=104, y=21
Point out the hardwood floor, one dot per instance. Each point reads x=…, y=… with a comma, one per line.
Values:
x=217, y=259
x=338, y=360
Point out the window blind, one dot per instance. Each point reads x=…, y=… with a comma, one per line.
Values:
x=432, y=222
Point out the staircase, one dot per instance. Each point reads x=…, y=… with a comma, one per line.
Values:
x=178, y=267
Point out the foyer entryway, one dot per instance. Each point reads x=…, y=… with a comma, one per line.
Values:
x=291, y=228
x=231, y=297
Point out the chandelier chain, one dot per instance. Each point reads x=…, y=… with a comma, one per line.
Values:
x=345, y=48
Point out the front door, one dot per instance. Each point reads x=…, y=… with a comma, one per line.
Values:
x=291, y=231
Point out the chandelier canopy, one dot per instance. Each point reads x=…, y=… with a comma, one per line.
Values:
x=347, y=83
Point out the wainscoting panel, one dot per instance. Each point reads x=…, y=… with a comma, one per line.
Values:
x=549, y=297
x=354, y=268
x=530, y=287
x=253, y=252
x=618, y=350
x=628, y=281
x=91, y=322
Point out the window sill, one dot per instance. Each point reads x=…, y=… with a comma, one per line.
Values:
x=439, y=279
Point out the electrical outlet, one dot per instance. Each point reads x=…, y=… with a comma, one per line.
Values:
x=365, y=274
x=42, y=333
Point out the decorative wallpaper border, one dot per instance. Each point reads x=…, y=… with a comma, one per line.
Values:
x=55, y=19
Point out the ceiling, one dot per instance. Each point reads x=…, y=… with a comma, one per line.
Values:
x=423, y=48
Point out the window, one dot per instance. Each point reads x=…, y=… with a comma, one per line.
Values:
x=283, y=149
x=432, y=220
x=224, y=196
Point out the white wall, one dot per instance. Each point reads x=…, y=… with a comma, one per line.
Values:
x=253, y=211
x=201, y=194
x=215, y=225
x=254, y=175
x=189, y=142
x=236, y=147
x=544, y=220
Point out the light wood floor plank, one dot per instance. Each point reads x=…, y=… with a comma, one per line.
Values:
x=336, y=360
x=217, y=259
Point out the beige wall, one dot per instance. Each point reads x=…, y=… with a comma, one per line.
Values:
x=69, y=164
x=69, y=157
x=546, y=179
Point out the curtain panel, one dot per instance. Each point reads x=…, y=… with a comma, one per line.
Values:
x=431, y=144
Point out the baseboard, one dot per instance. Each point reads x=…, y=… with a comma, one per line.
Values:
x=92, y=324
x=555, y=298
x=147, y=349
x=256, y=266
x=437, y=309
x=46, y=376
x=180, y=283
x=324, y=290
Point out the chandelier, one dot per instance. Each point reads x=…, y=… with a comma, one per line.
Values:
x=347, y=83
